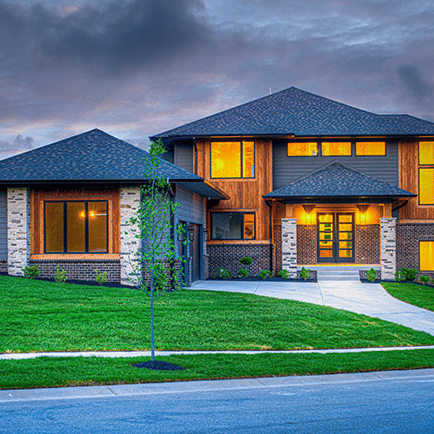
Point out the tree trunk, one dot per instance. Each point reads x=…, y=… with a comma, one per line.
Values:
x=152, y=328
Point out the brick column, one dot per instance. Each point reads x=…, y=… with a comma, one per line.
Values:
x=18, y=212
x=388, y=248
x=130, y=243
x=289, y=246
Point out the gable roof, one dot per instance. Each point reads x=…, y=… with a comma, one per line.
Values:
x=338, y=181
x=296, y=112
x=94, y=156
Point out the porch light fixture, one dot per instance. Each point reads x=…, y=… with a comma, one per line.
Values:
x=363, y=209
x=205, y=235
x=191, y=233
x=180, y=236
x=308, y=210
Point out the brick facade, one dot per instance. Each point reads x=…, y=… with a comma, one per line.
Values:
x=277, y=237
x=80, y=269
x=408, y=236
x=306, y=244
x=367, y=244
x=228, y=256
x=3, y=266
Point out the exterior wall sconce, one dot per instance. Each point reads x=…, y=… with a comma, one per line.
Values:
x=363, y=209
x=191, y=233
x=308, y=210
x=180, y=236
x=205, y=235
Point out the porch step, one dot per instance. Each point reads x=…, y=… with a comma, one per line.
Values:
x=350, y=274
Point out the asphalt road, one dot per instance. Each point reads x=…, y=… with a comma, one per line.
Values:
x=400, y=402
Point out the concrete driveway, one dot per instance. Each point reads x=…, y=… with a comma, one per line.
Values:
x=363, y=298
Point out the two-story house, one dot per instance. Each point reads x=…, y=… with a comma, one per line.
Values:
x=313, y=181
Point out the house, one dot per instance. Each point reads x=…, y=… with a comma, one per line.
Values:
x=313, y=181
x=67, y=204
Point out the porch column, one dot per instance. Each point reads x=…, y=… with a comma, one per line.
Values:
x=130, y=241
x=388, y=247
x=18, y=217
x=289, y=246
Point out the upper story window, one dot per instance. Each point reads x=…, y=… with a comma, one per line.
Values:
x=233, y=159
x=76, y=227
x=426, y=173
x=233, y=226
x=302, y=149
x=336, y=149
x=370, y=148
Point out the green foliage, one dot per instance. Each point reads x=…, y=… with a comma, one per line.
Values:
x=424, y=279
x=225, y=274
x=31, y=272
x=264, y=274
x=371, y=275
x=305, y=273
x=243, y=273
x=408, y=274
x=101, y=278
x=246, y=260
x=399, y=276
x=285, y=274
x=421, y=296
x=60, y=275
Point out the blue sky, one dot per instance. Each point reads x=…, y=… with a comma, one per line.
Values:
x=136, y=68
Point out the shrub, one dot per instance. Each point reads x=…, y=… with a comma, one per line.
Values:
x=31, y=272
x=225, y=274
x=424, y=279
x=246, y=260
x=101, y=278
x=304, y=273
x=60, y=275
x=399, y=276
x=243, y=273
x=371, y=274
x=285, y=274
x=408, y=273
x=263, y=274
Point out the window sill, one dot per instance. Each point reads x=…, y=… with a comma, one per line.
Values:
x=66, y=256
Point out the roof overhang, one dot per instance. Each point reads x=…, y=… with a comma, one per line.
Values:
x=338, y=199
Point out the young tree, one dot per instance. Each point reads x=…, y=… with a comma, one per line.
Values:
x=156, y=269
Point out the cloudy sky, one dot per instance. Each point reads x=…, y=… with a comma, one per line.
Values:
x=135, y=68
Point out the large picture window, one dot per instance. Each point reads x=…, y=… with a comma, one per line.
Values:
x=426, y=255
x=76, y=227
x=426, y=173
x=232, y=226
x=232, y=159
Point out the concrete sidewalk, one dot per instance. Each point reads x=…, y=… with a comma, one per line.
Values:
x=114, y=391
x=363, y=298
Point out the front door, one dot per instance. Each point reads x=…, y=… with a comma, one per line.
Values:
x=195, y=252
x=336, y=237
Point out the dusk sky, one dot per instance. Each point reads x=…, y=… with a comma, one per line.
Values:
x=137, y=68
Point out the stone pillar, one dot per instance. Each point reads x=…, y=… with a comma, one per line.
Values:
x=388, y=248
x=130, y=241
x=18, y=212
x=289, y=246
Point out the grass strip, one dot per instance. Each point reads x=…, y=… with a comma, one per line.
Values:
x=415, y=294
x=46, y=316
x=91, y=371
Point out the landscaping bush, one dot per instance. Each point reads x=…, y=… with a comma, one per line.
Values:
x=424, y=279
x=284, y=274
x=263, y=274
x=60, y=275
x=246, y=260
x=408, y=274
x=371, y=274
x=304, y=273
x=31, y=272
x=225, y=274
x=243, y=273
x=101, y=278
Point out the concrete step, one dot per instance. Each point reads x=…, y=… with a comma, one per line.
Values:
x=338, y=274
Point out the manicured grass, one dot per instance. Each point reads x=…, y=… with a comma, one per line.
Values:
x=418, y=295
x=46, y=316
x=81, y=371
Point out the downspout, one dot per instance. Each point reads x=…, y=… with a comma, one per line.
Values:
x=270, y=216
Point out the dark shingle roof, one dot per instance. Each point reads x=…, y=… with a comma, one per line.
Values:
x=94, y=156
x=337, y=181
x=293, y=111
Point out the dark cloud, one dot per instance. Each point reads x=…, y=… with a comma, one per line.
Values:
x=411, y=78
x=19, y=144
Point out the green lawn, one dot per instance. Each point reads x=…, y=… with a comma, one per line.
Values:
x=46, y=316
x=418, y=295
x=80, y=371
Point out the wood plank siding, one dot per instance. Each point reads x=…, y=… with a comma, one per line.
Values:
x=409, y=180
x=112, y=195
x=245, y=194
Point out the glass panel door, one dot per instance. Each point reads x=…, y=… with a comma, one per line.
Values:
x=326, y=237
x=345, y=235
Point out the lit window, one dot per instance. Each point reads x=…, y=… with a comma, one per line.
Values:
x=370, y=148
x=426, y=255
x=303, y=149
x=426, y=153
x=232, y=159
x=232, y=226
x=336, y=149
x=76, y=227
x=426, y=186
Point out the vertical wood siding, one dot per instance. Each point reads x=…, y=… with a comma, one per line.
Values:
x=191, y=206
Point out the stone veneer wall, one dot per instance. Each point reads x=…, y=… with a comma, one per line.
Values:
x=228, y=256
x=388, y=248
x=130, y=245
x=18, y=215
x=289, y=246
x=307, y=244
x=367, y=244
x=408, y=236
x=80, y=269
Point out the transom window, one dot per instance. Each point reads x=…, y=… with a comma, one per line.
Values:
x=302, y=149
x=335, y=149
x=370, y=148
x=426, y=173
x=232, y=226
x=232, y=159
x=76, y=226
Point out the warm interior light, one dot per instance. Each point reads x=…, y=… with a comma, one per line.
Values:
x=92, y=214
x=82, y=214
